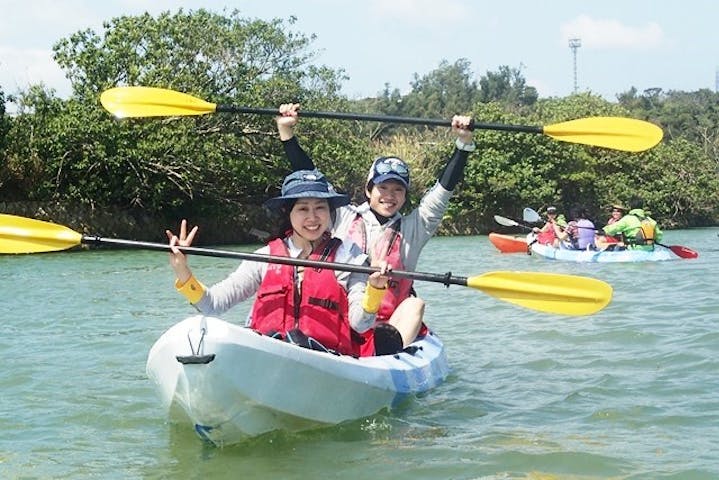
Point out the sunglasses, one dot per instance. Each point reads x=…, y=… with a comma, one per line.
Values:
x=391, y=164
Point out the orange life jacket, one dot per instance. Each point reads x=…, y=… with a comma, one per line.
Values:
x=646, y=232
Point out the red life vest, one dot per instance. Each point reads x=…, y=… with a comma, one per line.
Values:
x=388, y=247
x=319, y=307
x=546, y=237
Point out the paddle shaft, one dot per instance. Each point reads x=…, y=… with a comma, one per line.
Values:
x=609, y=132
x=551, y=293
x=445, y=279
x=520, y=225
x=383, y=118
x=508, y=222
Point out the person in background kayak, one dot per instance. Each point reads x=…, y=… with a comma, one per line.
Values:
x=383, y=233
x=309, y=306
x=607, y=242
x=637, y=229
x=580, y=231
x=552, y=230
x=617, y=213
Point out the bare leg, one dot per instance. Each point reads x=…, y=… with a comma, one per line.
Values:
x=603, y=242
x=407, y=319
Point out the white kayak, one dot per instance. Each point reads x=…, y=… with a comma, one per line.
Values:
x=233, y=383
x=658, y=254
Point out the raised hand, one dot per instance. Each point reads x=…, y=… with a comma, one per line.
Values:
x=460, y=126
x=287, y=119
x=178, y=260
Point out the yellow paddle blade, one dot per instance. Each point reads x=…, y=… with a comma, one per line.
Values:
x=25, y=235
x=619, y=133
x=546, y=292
x=129, y=102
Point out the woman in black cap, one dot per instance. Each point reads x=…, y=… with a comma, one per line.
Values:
x=552, y=231
x=309, y=306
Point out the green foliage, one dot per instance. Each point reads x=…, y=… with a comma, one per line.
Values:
x=443, y=92
x=5, y=176
x=507, y=86
x=676, y=179
x=451, y=89
x=337, y=150
x=4, y=120
x=72, y=151
x=691, y=115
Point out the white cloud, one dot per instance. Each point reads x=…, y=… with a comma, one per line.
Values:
x=425, y=12
x=612, y=34
x=40, y=22
x=544, y=88
x=20, y=68
x=28, y=34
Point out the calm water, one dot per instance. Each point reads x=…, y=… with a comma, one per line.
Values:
x=629, y=393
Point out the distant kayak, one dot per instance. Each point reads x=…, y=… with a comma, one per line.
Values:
x=656, y=255
x=509, y=243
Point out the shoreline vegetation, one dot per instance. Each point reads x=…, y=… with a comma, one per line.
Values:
x=239, y=229
x=69, y=161
x=247, y=228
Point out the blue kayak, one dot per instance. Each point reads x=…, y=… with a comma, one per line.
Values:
x=657, y=255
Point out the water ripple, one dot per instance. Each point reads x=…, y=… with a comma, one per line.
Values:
x=628, y=393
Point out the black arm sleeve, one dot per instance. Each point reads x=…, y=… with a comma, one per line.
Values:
x=299, y=160
x=453, y=172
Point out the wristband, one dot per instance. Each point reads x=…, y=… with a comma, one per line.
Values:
x=465, y=147
x=192, y=289
x=372, y=298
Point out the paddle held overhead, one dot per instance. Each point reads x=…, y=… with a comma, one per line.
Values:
x=617, y=133
x=546, y=292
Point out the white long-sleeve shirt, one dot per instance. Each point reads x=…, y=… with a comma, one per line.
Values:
x=417, y=227
x=245, y=281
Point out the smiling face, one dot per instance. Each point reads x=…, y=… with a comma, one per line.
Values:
x=387, y=198
x=310, y=218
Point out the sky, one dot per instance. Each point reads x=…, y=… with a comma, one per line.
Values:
x=623, y=43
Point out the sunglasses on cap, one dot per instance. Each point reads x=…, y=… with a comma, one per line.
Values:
x=389, y=168
x=391, y=164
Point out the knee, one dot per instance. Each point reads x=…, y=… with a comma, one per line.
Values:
x=415, y=303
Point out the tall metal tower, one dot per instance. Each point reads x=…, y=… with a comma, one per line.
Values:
x=574, y=44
